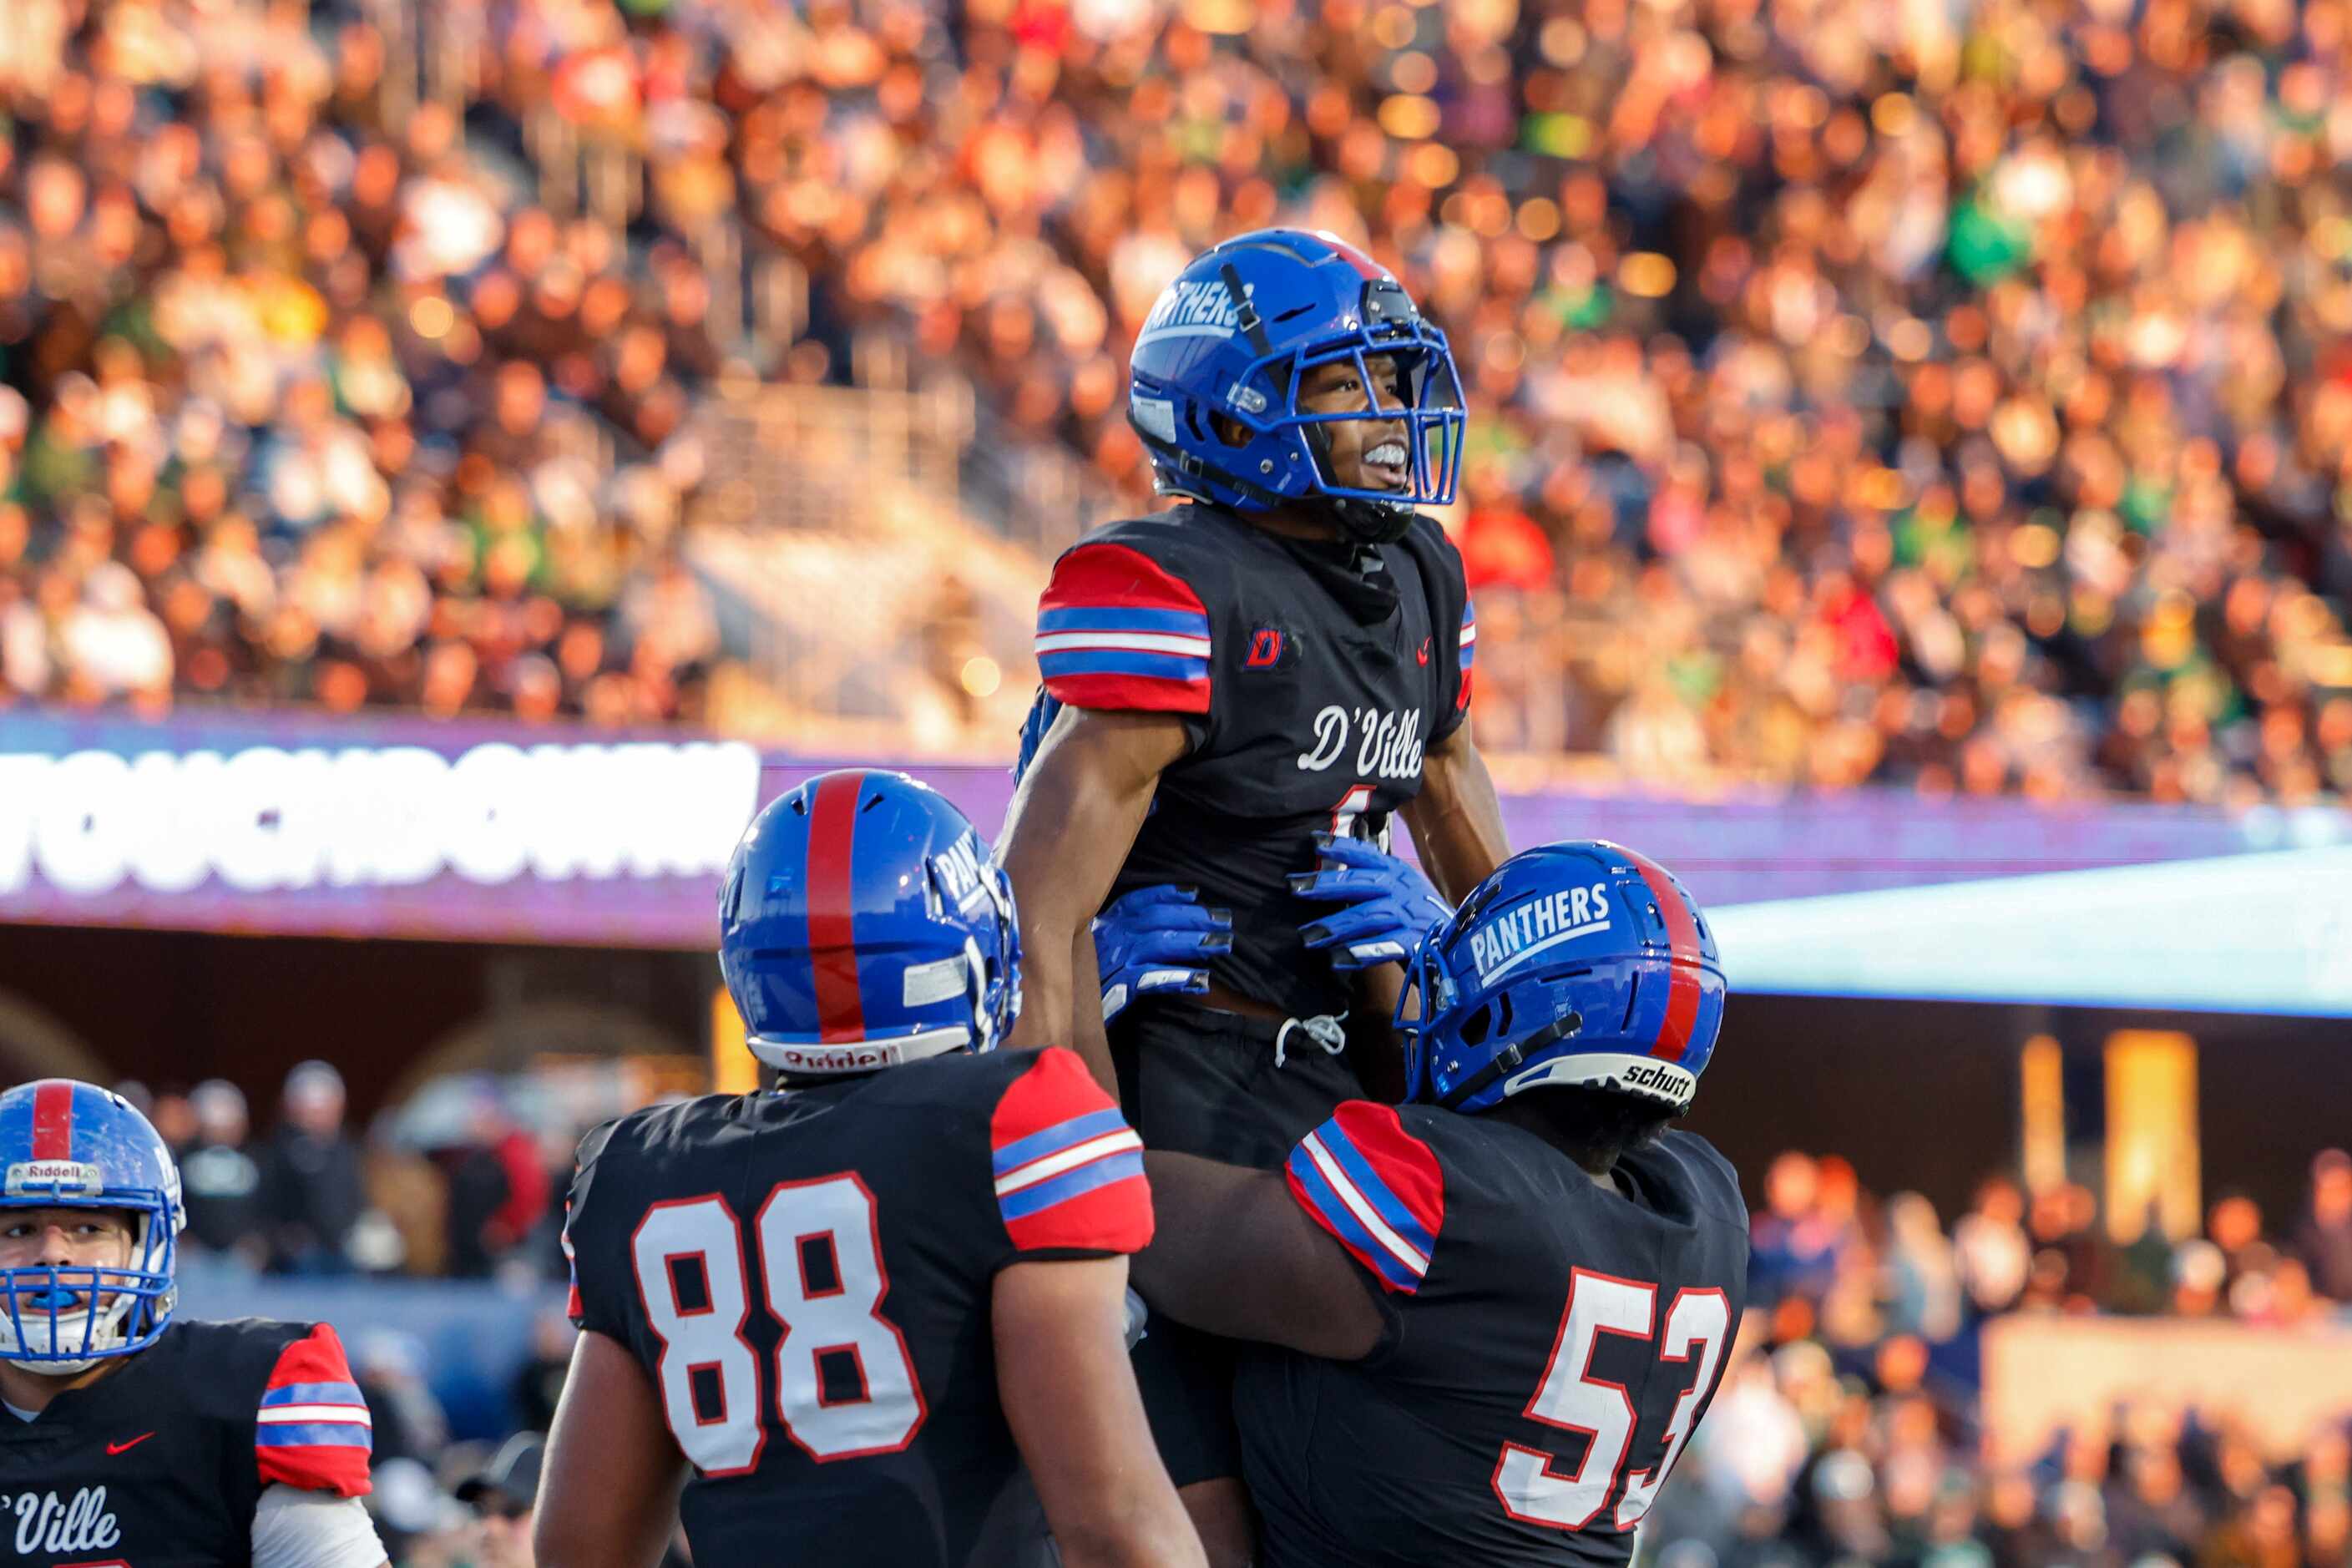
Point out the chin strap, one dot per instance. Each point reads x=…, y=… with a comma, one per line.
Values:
x=1369, y=521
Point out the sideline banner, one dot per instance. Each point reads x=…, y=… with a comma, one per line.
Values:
x=288, y=826
x=295, y=823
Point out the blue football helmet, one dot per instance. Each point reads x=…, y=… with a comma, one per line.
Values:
x=65, y=1144
x=862, y=924
x=1236, y=334
x=1577, y=962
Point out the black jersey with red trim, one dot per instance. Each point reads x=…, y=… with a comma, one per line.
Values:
x=805, y=1277
x=161, y=1463
x=1301, y=717
x=1550, y=1344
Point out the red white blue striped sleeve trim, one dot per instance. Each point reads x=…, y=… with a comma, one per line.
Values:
x=1118, y=630
x=1065, y=1162
x=1469, y=650
x=1068, y=1168
x=1376, y=1188
x=312, y=1429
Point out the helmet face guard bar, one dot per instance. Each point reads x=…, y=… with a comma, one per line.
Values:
x=120, y=1311
x=1434, y=420
x=1432, y=413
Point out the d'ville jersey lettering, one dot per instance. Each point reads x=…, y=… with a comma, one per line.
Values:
x=47, y=1524
x=1390, y=746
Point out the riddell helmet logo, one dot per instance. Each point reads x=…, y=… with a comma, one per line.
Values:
x=54, y=1175
x=860, y=1057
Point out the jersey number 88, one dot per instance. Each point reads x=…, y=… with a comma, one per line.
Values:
x=842, y=1316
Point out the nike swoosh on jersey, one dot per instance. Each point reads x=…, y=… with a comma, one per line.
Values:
x=126, y=1447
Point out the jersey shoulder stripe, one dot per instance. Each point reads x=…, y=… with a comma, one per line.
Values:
x=1068, y=1170
x=1116, y=629
x=1469, y=646
x=1378, y=1189
x=311, y=1429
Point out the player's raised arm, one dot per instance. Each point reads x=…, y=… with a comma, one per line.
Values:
x=1233, y=1254
x=608, y=1496
x=1071, y=824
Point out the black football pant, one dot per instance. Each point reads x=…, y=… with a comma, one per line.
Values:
x=1199, y=1080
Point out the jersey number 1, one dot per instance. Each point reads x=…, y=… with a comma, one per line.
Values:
x=837, y=1315
x=1573, y=1399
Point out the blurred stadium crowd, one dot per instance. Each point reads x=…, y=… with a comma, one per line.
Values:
x=1848, y=1429
x=1954, y=397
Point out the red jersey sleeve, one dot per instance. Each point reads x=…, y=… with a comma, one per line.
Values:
x=1118, y=630
x=1374, y=1186
x=1069, y=1168
x=312, y=1430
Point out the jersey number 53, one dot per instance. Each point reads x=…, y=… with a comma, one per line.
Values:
x=818, y=1254
x=1573, y=1399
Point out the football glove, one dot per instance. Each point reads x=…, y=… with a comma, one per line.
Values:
x=1387, y=906
x=1157, y=942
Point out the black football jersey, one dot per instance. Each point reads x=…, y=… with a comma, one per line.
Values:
x=161, y=1464
x=1551, y=1344
x=1302, y=717
x=805, y=1279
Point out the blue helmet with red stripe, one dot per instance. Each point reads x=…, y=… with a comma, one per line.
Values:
x=862, y=924
x=1233, y=337
x=1581, y=962
x=70, y=1145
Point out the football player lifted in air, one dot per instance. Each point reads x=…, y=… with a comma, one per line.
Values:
x=1237, y=691
x=847, y=1314
x=1493, y=1315
x=133, y=1436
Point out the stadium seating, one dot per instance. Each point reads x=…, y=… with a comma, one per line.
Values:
x=1849, y=408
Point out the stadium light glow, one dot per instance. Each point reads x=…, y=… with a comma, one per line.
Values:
x=2268, y=933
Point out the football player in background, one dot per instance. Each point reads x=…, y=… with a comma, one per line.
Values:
x=845, y=1314
x=1491, y=1316
x=1236, y=690
x=133, y=1435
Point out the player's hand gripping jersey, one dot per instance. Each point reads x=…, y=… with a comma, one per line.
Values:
x=1309, y=693
x=806, y=1277
x=163, y=1463
x=1550, y=1346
